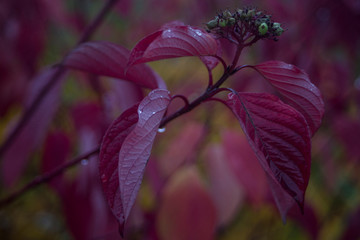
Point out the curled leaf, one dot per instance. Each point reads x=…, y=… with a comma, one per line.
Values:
x=296, y=88
x=174, y=40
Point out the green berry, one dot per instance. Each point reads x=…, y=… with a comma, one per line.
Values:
x=227, y=14
x=250, y=13
x=212, y=24
x=231, y=21
x=278, y=30
x=263, y=29
x=222, y=22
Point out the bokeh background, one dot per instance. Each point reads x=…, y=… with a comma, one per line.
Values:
x=202, y=181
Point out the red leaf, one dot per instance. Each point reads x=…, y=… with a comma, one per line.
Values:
x=174, y=41
x=296, y=88
x=136, y=148
x=125, y=149
x=109, y=59
x=109, y=159
x=17, y=155
x=279, y=136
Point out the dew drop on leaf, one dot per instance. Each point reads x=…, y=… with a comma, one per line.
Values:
x=161, y=130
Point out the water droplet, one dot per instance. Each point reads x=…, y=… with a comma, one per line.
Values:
x=153, y=112
x=104, y=178
x=84, y=162
x=198, y=32
x=161, y=130
x=139, y=111
x=167, y=33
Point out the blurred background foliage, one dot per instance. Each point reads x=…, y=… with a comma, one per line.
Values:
x=190, y=190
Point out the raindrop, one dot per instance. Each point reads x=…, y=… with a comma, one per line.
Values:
x=139, y=111
x=84, y=162
x=168, y=33
x=161, y=130
x=153, y=112
x=198, y=32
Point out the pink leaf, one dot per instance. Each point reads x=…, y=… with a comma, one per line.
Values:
x=174, y=41
x=136, y=148
x=109, y=158
x=224, y=187
x=109, y=59
x=243, y=163
x=296, y=88
x=17, y=155
x=56, y=150
x=182, y=149
x=279, y=136
x=186, y=210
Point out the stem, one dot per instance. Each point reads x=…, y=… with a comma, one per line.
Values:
x=185, y=100
x=55, y=78
x=210, y=91
x=46, y=177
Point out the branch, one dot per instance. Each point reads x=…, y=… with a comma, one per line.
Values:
x=46, y=177
x=55, y=78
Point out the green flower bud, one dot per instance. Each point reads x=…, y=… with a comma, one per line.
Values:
x=212, y=24
x=227, y=14
x=222, y=22
x=263, y=29
x=251, y=13
x=240, y=12
x=278, y=30
x=231, y=21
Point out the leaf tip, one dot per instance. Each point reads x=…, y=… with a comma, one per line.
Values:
x=121, y=229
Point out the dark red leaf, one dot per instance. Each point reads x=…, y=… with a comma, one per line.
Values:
x=109, y=59
x=125, y=150
x=279, y=136
x=296, y=88
x=174, y=41
x=136, y=148
x=17, y=155
x=109, y=159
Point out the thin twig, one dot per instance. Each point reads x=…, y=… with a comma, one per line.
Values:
x=46, y=177
x=55, y=78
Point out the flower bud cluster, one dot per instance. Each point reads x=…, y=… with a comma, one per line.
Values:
x=244, y=24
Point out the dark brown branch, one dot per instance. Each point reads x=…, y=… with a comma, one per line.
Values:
x=45, y=178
